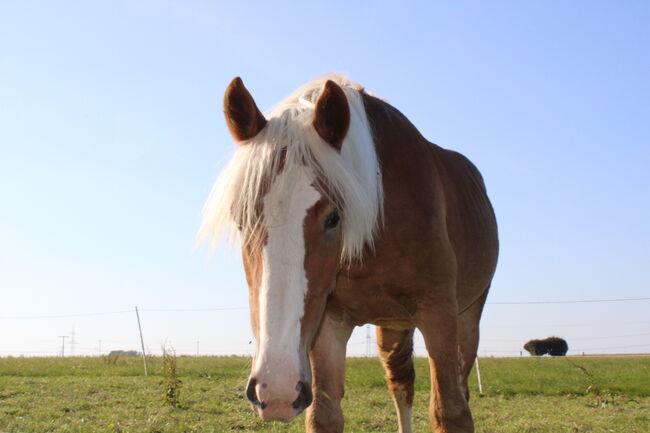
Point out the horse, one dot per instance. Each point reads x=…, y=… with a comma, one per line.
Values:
x=346, y=215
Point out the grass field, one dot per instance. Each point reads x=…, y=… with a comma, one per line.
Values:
x=521, y=395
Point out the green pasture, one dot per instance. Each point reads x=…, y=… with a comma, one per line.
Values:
x=573, y=394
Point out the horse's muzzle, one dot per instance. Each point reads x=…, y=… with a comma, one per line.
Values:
x=278, y=406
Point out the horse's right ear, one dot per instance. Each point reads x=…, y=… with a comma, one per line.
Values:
x=332, y=114
x=243, y=117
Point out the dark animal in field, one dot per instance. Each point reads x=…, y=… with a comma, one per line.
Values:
x=554, y=346
x=117, y=353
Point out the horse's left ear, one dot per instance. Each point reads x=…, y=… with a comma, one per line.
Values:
x=332, y=115
x=243, y=117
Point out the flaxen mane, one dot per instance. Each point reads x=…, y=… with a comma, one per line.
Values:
x=352, y=177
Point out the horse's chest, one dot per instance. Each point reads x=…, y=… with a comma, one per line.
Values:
x=382, y=306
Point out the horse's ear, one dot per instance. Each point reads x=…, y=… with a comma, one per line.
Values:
x=332, y=114
x=243, y=117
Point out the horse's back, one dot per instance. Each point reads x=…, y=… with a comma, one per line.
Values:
x=471, y=223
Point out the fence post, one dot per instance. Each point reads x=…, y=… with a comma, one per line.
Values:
x=144, y=356
x=478, y=376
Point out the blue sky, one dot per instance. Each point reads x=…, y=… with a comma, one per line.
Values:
x=111, y=134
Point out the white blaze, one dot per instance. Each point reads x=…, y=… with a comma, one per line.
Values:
x=284, y=282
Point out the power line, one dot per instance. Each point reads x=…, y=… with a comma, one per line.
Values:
x=106, y=313
x=579, y=301
x=241, y=308
x=600, y=337
x=567, y=325
x=63, y=316
x=42, y=352
x=611, y=347
x=606, y=337
x=571, y=349
x=183, y=310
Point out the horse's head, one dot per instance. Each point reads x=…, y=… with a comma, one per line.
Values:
x=292, y=242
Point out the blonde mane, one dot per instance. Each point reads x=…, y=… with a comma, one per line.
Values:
x=288, y=142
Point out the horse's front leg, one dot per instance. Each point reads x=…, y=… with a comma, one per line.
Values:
x=396, y=353
x=328, y=375
x=438, y=321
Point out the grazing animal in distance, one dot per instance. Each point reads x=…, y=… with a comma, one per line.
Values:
x=128, y=353
x=554, y=346
x=347, y=215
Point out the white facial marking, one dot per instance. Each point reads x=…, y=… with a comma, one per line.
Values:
x=284, y=282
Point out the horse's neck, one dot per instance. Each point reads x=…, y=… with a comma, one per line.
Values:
x=391, y=129
x=403, y=153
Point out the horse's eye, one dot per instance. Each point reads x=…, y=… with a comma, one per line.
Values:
x=332, y=220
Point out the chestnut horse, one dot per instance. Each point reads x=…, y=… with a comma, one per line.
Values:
x=347, y=216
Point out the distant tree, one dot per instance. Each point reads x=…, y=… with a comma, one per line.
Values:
x=554, y=346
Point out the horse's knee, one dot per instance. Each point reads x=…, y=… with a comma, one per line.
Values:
x=398, y=363
x=402, y=391
x=465, y=390
x=324, y=418
x=325, y=415
x=465, y=370
x=451, y=417
x=326, y=426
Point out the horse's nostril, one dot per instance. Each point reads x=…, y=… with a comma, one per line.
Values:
x=304, y=396
x=251, y=394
